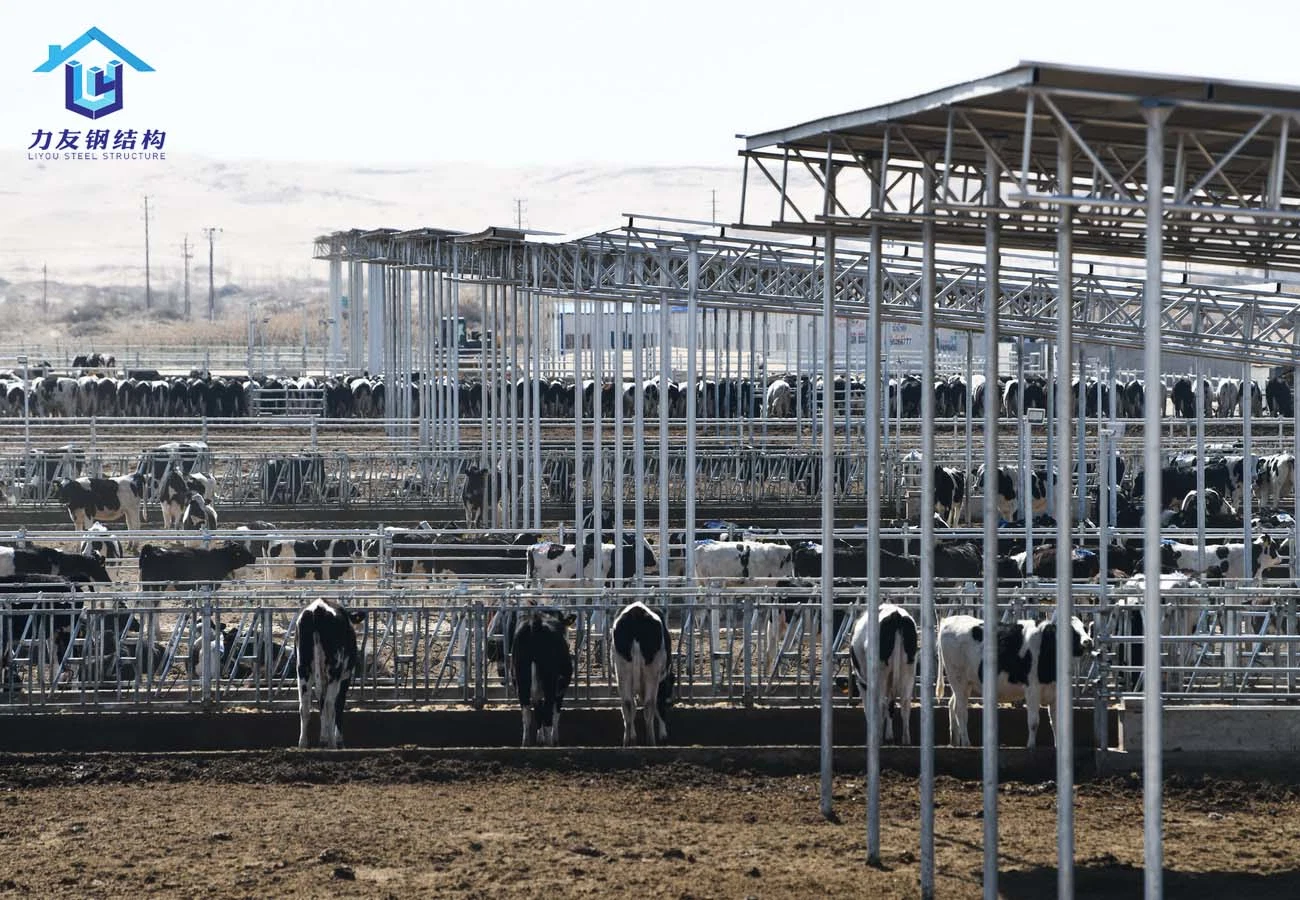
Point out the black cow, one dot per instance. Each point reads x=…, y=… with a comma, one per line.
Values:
x=1279, y=397
x=48, y=561
x=190, y=567
x=294, y=479
x=474, y=496
x=543, y=668
x=491, y=556
x=327, y=656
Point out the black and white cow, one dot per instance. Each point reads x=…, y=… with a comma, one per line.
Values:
x=198, y=514
x=543, y=668
x=1275, y=479
x=895, y=658
x=1219, y=560
x=473, y=497
x=1219, y=513
x=190, y=567
x=1010, y=507
x=742, y=562
x=325, y=559
x=643, y=665
x=326, y=658
x=98, y=540
x=174, y=496
x=1026, y=655
x=949, y=492
x=104, y=499
x=550, y=561
x=48, y=561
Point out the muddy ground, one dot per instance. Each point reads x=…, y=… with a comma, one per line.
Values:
x=284, y=824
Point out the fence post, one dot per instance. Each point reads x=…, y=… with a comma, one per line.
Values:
x=477, y=641
x=746, y=649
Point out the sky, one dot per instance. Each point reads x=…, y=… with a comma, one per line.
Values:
x=565, y=81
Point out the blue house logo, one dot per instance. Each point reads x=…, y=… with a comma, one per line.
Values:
x=95, y=92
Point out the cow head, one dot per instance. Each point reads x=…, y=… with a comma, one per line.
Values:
x=240, y=555
x=139, y=481
x=1266, y=552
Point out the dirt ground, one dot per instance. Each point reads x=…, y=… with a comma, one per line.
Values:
x=290, y=825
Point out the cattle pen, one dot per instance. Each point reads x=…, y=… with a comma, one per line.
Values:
x=1075, y=253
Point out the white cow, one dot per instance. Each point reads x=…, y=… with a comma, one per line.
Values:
x=1220, y=560
x=1026, y=667
x=894, y=656
x=742, y=562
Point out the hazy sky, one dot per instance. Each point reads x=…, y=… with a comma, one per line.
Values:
x=549, y=82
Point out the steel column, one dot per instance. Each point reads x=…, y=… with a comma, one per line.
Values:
x=828, y=523
x=927, y=622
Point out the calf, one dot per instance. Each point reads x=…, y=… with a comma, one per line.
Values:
x=190, y=567
x=326, y=659
x=543, y=668
x=1026, y=653
x=98, y=541
x=643, y=665
x=104, y=499
x=895, y=660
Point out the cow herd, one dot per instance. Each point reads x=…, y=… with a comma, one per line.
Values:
x=88, y=391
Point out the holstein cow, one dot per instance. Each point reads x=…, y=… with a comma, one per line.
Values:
x=1219, y=561
x=1219, y=513
x=1275, y=479
x=325, y=559
x=1026, y=667
x=742, y=562
x=1008, y=483
x=551, y=561
x=895, y=659
x=104, y=499
x=198, y=514
x=190, y=567
x=326, y=656
x=474, y=495
x=174, y=496
x=543, y=668
x=949, y=492
x=643, y=665
x=47, y=561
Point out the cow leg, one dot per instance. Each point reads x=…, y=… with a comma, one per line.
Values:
x=528, y=725
x=958, y=711
x=338, y=713
x=629, y=721
x=907, y=683
x=329, y=732
x=304, y=708
x=1033, y=701
x=554, y=736
x=650, y=696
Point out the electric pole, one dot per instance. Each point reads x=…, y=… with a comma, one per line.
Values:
x=187, y=256
x=519, y=213
x=714, y=219
x=148, y=292
x=212, y=294
x=45, y=288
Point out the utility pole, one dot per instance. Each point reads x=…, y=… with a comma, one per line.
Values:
x=212, y=294
x=519, y=213
x=187, y=256
x=45, y=288
x=148, y=292
x=714, y=219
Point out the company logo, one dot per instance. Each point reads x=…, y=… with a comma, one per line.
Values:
x=97, y=91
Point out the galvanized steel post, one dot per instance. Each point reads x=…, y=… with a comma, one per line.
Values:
x=828, y=522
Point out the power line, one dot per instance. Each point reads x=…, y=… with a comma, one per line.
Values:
x=212, y=294
x=148, y=292
x=187, y=256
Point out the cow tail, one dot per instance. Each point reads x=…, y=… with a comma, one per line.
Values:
x=938, y=666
